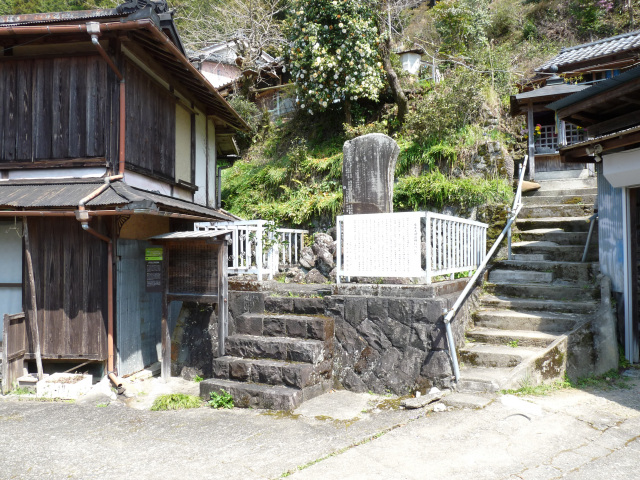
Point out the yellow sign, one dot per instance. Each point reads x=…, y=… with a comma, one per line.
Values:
x=153, y=254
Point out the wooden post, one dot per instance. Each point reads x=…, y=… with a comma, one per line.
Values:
x=33, y=319
x=165, y=371
x=531, y=143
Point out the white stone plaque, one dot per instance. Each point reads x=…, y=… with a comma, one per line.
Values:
x=382, y=245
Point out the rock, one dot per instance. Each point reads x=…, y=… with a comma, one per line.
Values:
x=421, y=401
x=333, y=274
x=307, y=258
x=332, y=231
x=439, y=407
x=325, y=240
x=314, y=276
x=295, y=275
x=324, y=261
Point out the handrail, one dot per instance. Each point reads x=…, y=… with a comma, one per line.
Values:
x=517, y=205
x=592, y=219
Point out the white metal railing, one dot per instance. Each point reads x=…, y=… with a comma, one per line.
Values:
x=389, y=245
x=257, y=247
x=517, y=205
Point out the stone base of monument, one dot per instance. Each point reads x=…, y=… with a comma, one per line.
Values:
x=68, y=386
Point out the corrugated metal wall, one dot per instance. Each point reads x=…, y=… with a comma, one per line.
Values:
x=610, y=231
x=138, y=312
x=11, y=269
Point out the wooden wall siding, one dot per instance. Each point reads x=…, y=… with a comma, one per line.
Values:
x=150, y=137
x=13, y=350
x=138, y=312
x=70, y=273
x=53, y=108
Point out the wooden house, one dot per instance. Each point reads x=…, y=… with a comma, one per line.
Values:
x=224, y=65
x=610, y=113
x=571, y=71
x=108, y=136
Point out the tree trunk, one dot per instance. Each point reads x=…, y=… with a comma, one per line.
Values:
x=347, y=112
x=398, y=95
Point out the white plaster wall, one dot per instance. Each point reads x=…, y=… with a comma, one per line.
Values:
x=211, y=170
x=200, y=196
x=146, y=183
x=183, y=144
x=87, y=172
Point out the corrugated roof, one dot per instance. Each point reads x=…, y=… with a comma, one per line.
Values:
x=50, y=194
x=190, y=235
x=550, y=90
x=593, y=50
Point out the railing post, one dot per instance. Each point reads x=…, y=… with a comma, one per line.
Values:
x=509, y=236
x=259, y=251
x=427, y=246
x=338, y=248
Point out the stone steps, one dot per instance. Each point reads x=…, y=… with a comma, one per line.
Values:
x=519, y=277
x=294, y=305
x=549, y=322
x=511, y=338
x=295, y=326
x=568, y=224
x=271, y=372
x=277, y=348
x=554, y=252
x=563, y=198
x=553, y=291
x=545, y=211
x=572, y=271
x=530, y=304
x=558, y=236
x=252, y=395
x=500, y=356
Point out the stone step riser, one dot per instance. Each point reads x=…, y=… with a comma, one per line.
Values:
x=556, y=211
x=290, y=350
x=528, y=257
x=248, y=395
x=310, y=328
x=570, y=199
x=295, y=375
x=548, y=292
x=564, y=192
x=519, y=276
x=537, y=324
x=575, y=272
x=564, y=253
x=561, y=238
x=573, y=225
x=558, y=307
x=522, y=341
x=485, y=359
x=295, y=306
x=476, y=386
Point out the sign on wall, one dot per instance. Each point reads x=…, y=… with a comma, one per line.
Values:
x=153, y=264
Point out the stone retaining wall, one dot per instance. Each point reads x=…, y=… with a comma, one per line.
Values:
x=388, y=338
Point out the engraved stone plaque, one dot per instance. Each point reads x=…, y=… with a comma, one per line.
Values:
x=367, y=174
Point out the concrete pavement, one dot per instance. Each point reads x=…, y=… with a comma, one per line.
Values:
x=571, y=433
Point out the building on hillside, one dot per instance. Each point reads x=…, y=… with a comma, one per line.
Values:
x=572, y=70
x=108, y=136
x=224, y=65
x=610, y=113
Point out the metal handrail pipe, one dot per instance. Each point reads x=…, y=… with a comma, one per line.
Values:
x=592, y=219
x=517, y=205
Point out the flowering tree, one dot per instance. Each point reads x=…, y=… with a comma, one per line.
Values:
x=334, y=53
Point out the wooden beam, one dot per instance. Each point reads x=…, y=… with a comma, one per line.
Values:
x=600, y=99
x=617, y=123
x=33, y=319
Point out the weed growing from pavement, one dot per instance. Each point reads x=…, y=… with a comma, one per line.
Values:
x=198, y=379
x=20, y=391
x=176, y=401
x=222, y=399
x=514, y=343
x=528, y=389
x=102, y=405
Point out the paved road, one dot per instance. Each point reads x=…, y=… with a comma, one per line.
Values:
x=570, y=434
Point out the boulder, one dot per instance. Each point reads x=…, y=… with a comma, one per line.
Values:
x=314, y=276
x=324, y=262
x=307, y=258
x=295, y=275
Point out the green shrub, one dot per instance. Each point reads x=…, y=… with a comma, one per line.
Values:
x=222, y=399
x=176, y=401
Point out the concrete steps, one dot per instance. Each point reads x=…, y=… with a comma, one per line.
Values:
x=533, y=302
x=275, y=361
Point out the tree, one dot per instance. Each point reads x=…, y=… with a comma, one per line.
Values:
x=255, y=26
x=334, y=53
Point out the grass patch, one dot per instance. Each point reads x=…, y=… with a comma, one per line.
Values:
x=176, y=401
x=198, y=379
x=21, y=391
x=538, y=390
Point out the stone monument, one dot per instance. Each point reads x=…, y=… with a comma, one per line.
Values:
x=367, y=174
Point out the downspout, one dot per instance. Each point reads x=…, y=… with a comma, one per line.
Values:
x=93, y=28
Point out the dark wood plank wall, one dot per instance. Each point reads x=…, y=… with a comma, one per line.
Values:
x=70, y=273
x=151, y=124
x=53, y=108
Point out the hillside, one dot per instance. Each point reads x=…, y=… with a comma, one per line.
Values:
x=458, y=142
